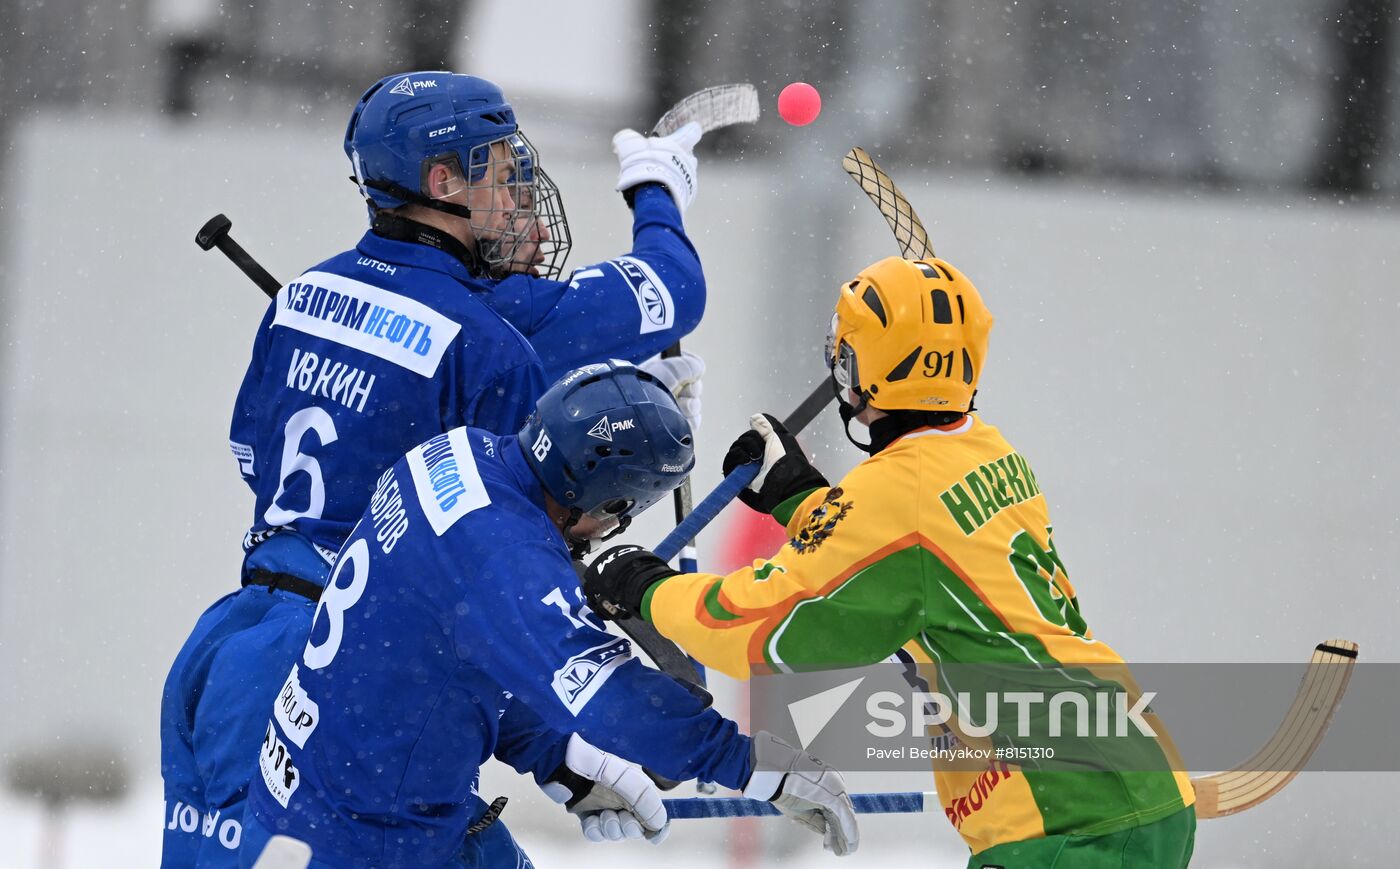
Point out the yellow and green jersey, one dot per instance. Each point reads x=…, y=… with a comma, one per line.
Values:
x=939, y=545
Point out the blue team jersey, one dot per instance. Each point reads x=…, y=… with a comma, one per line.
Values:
x=357, y=360
x=629, y=307
x=452, y=601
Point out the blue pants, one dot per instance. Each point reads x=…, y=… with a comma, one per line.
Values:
x=492, y=848
x=214, y=711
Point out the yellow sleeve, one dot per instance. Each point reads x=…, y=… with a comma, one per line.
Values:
x=832, y=596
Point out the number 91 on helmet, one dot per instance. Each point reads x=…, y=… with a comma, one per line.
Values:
x=909, y=335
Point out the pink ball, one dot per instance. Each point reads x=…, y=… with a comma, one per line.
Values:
x=799, y=104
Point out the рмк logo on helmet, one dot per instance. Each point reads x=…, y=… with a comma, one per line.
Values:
x=407, y=87
x=603, y=429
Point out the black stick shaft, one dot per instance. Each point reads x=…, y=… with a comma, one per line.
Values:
x=802, y=416
x=214, y=233
x=250, y=267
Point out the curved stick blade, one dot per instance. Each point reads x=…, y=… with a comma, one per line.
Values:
x=712, y=108
x=1279, y=760
x=899, y=214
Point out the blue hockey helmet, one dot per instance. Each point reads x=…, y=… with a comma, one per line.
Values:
x=608, y=441
x=406, y=119
x=408, y=122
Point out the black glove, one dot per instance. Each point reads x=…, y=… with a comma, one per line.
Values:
x=618, y=579
x=786, y=470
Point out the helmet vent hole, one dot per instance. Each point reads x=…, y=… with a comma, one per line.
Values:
x=686, y=441
x=409, y=114
x=967, y=368
x=906, y=365
x=625, y=452
x=592, y=463
x=962, y=315
x=603, y=451
x=942, y=309
x=872, y=300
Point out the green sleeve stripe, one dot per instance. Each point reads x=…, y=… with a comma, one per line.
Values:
x=646, y=600
x=961, y=625
x=714, y=607
x=863, y=620
x=712, y=604
x=783, y=512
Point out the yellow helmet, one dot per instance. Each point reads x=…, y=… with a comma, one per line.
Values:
x=910, y=335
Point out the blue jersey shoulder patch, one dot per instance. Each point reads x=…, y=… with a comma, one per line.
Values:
x=446, y=479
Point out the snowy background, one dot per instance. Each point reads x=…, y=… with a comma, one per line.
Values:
x=1192, y=270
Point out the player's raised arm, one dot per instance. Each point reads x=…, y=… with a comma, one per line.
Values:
x=634, y=305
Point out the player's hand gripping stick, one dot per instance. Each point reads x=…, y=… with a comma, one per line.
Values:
x=705, y=512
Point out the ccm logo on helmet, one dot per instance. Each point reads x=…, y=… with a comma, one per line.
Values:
x=444, y=131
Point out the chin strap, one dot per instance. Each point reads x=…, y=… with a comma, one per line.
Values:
x=621, y=526
x=398, y=191
x=888, y=428
x=578, y=546
x=581, y=546
x=849, y=412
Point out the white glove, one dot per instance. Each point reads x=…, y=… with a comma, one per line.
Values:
x=806, y=790
x=617, y=801
x=666, y=160
x=680, y=374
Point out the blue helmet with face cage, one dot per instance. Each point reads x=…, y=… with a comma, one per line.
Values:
x=404, y=120
x=608, y=440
